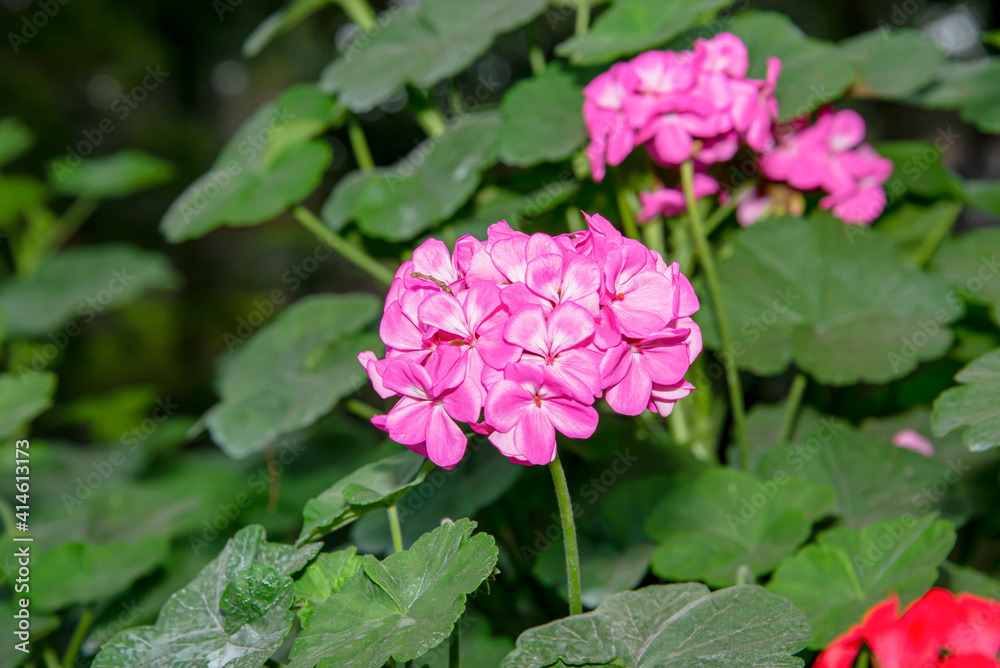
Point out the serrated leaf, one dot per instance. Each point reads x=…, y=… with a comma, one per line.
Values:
x=292, y=372
x=631, y=26
x=709, y=527
x=402, y=606
x=421, y=45
x=425, y=188
x=874, y=481
x=22, y=399
x=893, y=64
x=80, y=282
x=191, y=628
x=836, y=300
x=251, y=593
x=543, y=119
x=973, y=405
x=971, y=263
x=373, y=486
x=280, y=22
x=672, y=626
x=87, y=573
x=117, y=175
x=813, y=73
x=838, y=578
x=15, y=139
x=271, y=163
x=323, y=578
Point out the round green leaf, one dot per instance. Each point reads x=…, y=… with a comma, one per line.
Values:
x=543, y=119
x=709, y=527
x=973, y=405
x=292, y=372
x=837, y=579
x=893, y=64
x=22, y=398
x=971, y=263
x=15, y=139
x=115, y=175
x=672, y=626
x=280, y=22
x=833, y=298
x=972, y=88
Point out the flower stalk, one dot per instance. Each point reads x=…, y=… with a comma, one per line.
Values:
x=569, y=535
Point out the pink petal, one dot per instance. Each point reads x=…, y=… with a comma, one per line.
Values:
x=631, y=395
x=407, y=421
x=443, y=311
x=445, y=441
x=506, y=402
x=526, y=328
x=570, y=417
x=568, y=326
x=535, y=438
x=407, y=378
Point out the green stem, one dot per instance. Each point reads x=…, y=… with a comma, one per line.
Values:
x=678, y=425
x=863, y=658
x=582, y=17
x=625, y=210
x=349, y=251
x=360, y=408
x=569, y=535
x=73, y=217
x=536, y=57
x=720, y=214
x=792, y=407
x=51, y=658
x=429, y=118
x=708, y=264
x=654, y=236
x=79, y=635
x=455, y=647
x=360, y=12
x=397, y=532
x=929, y=246
x=360, y=146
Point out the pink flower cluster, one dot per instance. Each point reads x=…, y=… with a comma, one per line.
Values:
x=527, y=331
x=688, y=104
x=829, y=155
x=699, y=105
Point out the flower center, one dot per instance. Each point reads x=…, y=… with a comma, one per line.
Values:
x=538, y=400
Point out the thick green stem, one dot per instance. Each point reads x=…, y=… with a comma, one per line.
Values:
x=792, y=407
x=349, y=251
x=79, y=635
x=582, y=17
x=721, y=213
x=569, y=535
x=678, y=425
x=929, y=246
x=360, y=12
x=428, y=117
x=397, y=532
x=359, y=145
x=536, y=57
x=50, y=657
x=721, y=318
x=455, y=647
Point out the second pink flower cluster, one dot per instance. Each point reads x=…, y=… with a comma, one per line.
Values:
x=699, y=105
x=528, y=331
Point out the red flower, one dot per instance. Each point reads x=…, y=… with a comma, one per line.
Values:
x=937, y=631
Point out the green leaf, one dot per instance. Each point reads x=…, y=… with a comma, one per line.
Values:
x=972, y=88
x=908, y=225
x=86, y=573
x=292, y=372
x=493, y=204
x=971, y=262
x=80, y=282
x=605, y=569
x=22, y=399
x=983, y=195
x=543, y=119
x=421, y=45
x=833, y=298
x=425, y=188
x=813, y=73
x=479, y=647
x=271, y=163
x=15, y=139
x=838, y=578
x=959, y=579
x=373, y=486
x=18, y=195
x=280, y=22
x=117, y=175
x=672, y=626
x=874, y=480
x=707, y=528
x=323, y=578
x=402, y=606
x=631, y=26
x=253, y=592
x=919, y=169
x=893, y=64
x=192, y=627
x=973, y=405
